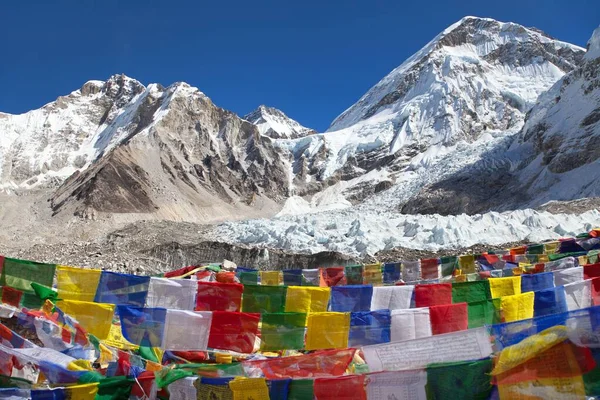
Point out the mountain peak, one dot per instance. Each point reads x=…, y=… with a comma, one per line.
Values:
x=593, y=46
x=275, y=124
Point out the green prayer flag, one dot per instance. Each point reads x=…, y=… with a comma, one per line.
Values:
x=593, y=256
x=282, y=331
x=535, y=249
x=20, y=274
x=13, y=382
x=148, y=353
x=591, y=380
x=459, y=380
x=44, y=292
x=354, y=274
x=263, y=299
x=301, y=389
x=166, y=376
x=114, y=388
x=448, y=264
x=482, y=313
x=249, y=278
x=468, y=292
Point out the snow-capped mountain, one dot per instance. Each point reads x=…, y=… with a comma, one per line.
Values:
x=127, y=148
x=478, y=77
x=275, y=124
x=555, y=156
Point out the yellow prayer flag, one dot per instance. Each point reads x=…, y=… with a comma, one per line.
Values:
x=249, y=388
x=583, y=260
x=80, y=365
x=466, y=264
x=517, y=307
x=96, y=318
x=545, y=388
x=372, y=274
x=116, y=339
x=551, y=248
x=270, y=278
x=327, y=330
x=507, y=286
x=543, y=258
x=307, y=299
x=83, y=392
x=77, y=283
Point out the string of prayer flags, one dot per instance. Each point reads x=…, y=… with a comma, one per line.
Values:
x=391, y=272
x=142, y=326
x=508, y=286
x=470, y=292
x=332, y=276
x=372, y=274
x=459, y=380
x=354, y=274
x=77, y=283
x=351, y=298
x=412, y=323
x=323, y=363
x=369, y=327
x=233, y=331
x=96, y=318
x=448, y=318
x=178, y=294
x=282, y=331
x=569, y=275
x=186, y=330
x=122, y=289
x=327, y=330
x=550, y=301
x=343, y=387
x=217, y=296
x=264, y=299
x=392, y=297
x=307, y=299
x=534, y=282
x=270, y=278
x=517, y=307
x=433, y=294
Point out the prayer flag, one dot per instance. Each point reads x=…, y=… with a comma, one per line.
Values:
x=372, y=274
x=459, y=380
x=469, y=292
x=351, y=298
x=517, y=307
x=448, y=318
x=430, y=268
x=328, y=330
x=413, y=323
x=391, y=273
x=343, y=387
x=263, y=299
x=95, y=318
x=142, y=326
x=332, y=276
x=307, y=299
x=569, y=275
x=535, y=282
x=249, y=388
x=508, y=286
x=354, y=274
x=186, y=330
x=482, y=313
x=77, y=283
x=433, y=294
x=369, y=327
x=391, y=297
x=122, y=289
x=233, y=331
x=217, y=296
x=178, y=294
x=282, y=331
x=270, y=278
x=550, y=301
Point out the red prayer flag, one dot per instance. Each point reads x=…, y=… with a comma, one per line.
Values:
x=433, y=294
x=324, y=363
x=233, y=331
x=11, y=296
x=518, y=250
x=595, y=283
x=344, y=387
x=430, y=268
x=332, y=276
x=226, y=277
x=219, y=296
x=448, y=318
x=591, y=271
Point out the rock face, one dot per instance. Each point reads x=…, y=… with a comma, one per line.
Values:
x=555, y=156
x=275, y=124
x=477, y=77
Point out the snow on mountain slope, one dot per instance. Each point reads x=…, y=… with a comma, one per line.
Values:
x=275, y=124
x=563, y=132
x=478, y=77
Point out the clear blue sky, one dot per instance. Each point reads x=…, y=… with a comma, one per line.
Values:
x=312, y=59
